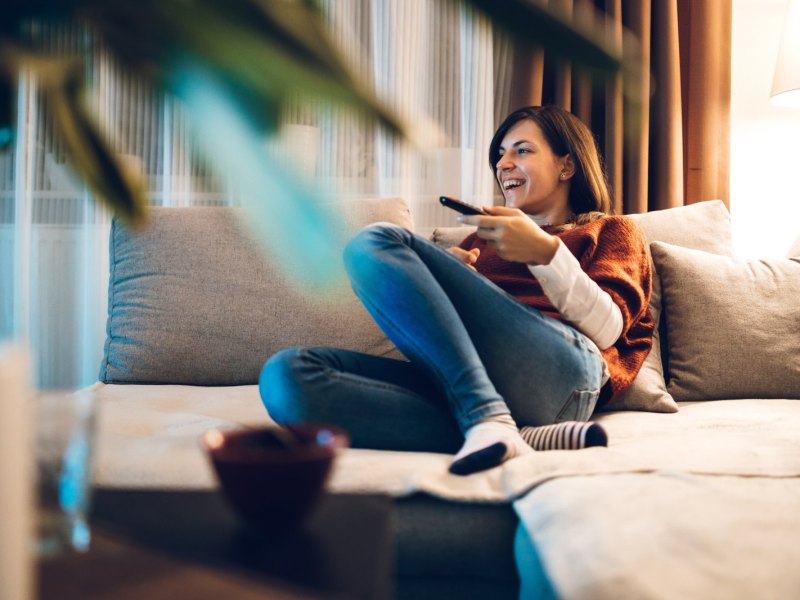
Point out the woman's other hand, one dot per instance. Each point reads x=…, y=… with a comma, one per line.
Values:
x=514, y=235
x=468, y=257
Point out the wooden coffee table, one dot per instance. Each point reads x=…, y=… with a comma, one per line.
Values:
x=189, y=544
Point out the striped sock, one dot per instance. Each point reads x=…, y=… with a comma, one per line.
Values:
x=568, y=435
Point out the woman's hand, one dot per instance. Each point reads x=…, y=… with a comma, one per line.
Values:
x=468, y=257
x=514, y=235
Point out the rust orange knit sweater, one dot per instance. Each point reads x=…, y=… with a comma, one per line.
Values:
x=612, y=251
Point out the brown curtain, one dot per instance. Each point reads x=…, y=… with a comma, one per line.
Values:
x=673, y=147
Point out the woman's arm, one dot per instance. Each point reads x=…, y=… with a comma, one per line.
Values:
x=579, y=299
x=598, y=302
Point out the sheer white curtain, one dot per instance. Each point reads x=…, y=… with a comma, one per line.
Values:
x=431, y=60
x=440, y=67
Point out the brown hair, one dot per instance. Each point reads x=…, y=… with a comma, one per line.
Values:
x=589, y=196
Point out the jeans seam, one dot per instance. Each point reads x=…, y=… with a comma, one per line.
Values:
x=577, y=395
x=366, y=381
x=337, y=372
x=451, y=399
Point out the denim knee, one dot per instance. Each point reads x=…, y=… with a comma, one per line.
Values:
x=280, y=386
x=364, y=244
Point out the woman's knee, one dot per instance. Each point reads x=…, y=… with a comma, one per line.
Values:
x=281, y=386
x=369, y=241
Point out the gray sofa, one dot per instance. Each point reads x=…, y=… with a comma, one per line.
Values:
x=713, y=447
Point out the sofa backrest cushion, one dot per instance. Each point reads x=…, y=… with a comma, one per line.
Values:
x=702, y=226
x=194, y=300
x=733, y=325
x=447, y=237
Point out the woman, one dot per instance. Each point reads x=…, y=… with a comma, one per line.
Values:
x=532, y=320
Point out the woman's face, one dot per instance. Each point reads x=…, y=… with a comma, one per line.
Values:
x=532, y=177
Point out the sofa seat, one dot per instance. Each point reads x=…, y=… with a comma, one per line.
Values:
x=673, y=469
x=150, y=437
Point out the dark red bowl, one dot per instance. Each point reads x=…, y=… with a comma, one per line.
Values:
x=273, y=476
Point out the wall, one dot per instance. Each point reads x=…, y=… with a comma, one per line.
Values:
x=765, y=139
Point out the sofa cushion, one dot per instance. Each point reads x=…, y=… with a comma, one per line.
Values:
x=194, y=300
x=447, y=237
x=703, y=226
x=733, y=326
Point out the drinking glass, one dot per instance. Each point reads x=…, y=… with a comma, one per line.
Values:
x=64, y=439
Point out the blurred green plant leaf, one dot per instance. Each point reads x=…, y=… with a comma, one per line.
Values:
x=88, y=152
x=258, y=53
x=280, y=208
x=10, y=55
x=264, y=51
x=534, y=24
x=62, y=83
x=584, y=40
x=7, y=113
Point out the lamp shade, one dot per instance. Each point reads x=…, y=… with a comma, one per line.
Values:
x=786, y=82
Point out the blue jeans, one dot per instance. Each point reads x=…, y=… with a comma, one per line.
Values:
x=474, y=352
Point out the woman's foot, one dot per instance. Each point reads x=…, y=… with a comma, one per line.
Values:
x=488, y=444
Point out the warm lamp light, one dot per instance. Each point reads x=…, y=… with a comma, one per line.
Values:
x=786, y=82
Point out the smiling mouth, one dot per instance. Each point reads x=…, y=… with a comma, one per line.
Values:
x=511, y=184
